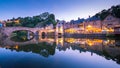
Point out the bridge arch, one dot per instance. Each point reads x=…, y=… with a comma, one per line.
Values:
x=22, y=35
x=43, y=33
x=23, y=30
x=8, y=30
x=37, y=31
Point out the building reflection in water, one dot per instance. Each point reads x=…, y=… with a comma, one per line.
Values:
x=109, y=49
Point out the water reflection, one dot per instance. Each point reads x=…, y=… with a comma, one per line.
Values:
x=22, y=35
x=107, y=48
x=43, y=48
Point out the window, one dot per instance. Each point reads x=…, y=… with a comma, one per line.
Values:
x=94, y=23
x=109, y=24
x=109, y=18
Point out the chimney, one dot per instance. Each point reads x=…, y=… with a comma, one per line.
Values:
x=89, y=16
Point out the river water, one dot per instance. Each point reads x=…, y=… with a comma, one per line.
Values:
x=60, y=53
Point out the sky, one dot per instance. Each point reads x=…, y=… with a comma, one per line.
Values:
x=63, y=9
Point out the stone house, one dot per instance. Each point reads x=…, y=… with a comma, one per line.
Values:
x=111, y=24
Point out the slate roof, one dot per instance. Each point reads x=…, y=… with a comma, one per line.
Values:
x=77, y=21
x=94, y=18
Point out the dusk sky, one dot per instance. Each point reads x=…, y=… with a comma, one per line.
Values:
x=63, y=9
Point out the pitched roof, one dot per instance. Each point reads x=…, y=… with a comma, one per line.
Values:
x=94, y=18
x=77, y=21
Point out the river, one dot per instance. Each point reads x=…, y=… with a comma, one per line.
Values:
x=40, y=52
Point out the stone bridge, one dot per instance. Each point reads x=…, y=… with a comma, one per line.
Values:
x=8, y=30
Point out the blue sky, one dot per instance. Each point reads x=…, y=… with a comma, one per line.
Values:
x=63, y=9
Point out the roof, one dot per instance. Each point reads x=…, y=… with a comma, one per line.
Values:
x=77, y=21
x=94, y=18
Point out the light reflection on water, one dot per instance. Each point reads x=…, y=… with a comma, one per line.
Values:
x=60, y=53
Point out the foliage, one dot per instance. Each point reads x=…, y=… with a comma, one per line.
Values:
x=42, y=19
x=114, y=10
x=43, y=48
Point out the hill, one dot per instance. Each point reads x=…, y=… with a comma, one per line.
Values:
x=42, y=19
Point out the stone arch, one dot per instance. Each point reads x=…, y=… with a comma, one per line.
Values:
x=28, y=31
x=8, y=30
x=19, y=34
x=43, y=34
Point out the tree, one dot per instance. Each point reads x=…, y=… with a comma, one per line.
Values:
x=116, y=11
x=42, y=20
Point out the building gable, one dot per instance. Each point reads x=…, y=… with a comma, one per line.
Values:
x=110, y=18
